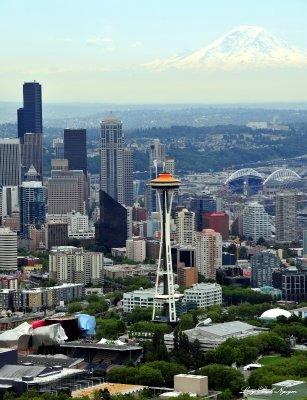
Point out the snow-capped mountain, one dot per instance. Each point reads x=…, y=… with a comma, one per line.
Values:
x=244, y=46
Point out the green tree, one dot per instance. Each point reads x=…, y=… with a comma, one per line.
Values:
x=168, y=370
x=148, y=376
x=109, y=328
x=186, y=322
x=74, y=307
x=221, y=377
x=139, y=314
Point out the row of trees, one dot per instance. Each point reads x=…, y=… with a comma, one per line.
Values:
x=155, y=373
x=91, y=305
x=294, y=368
x=233, y=295
x=247, y=350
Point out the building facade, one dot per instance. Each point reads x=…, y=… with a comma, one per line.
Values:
x=38, y=299
x=128, y=176
x=66, y=192
x=68, y=264
x=142, y=298
x=32, y=152
x=292, y=281
x=33, y=198
x=286, y=217
x=136, y=249
x=111, y=158
x=263, y=264
x=201, y=204
x=185, y=227
x=186, y=276
x=111, y=229
x=8, y=250
x=203, y=294
x=218, y=221
x=256, y=222
x=56, y=234
x=10, y=162
x=208, y=252
x=29, y=118
x=75, y=149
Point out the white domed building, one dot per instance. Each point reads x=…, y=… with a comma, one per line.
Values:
x=274, y=313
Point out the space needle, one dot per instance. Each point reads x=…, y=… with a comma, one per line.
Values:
x=165, y=184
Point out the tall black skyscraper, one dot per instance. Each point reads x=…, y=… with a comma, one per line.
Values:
x=75, y=149
x=111, y=229
x=29, y=117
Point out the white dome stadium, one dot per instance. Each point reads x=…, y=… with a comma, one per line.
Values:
x=274, y=313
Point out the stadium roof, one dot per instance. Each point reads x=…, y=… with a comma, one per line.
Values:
x=243, y=172
x=282, y=175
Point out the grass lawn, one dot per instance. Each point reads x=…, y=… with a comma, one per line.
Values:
x=270, y=360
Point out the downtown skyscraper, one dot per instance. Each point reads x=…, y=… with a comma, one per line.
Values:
x=29, y=117
x=75, y=149
x=286, y=217
x=10, y=161
x=156, y=167
x=32, y=196
x=30, y=127
x=116, y=163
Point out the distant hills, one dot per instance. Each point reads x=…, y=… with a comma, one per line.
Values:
x=148, y=116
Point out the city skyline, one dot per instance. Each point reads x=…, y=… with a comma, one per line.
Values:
x=109, y=46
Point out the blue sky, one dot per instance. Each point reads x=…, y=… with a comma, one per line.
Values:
x=83, y=50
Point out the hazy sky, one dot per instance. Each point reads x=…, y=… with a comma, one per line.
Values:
x=92, y=51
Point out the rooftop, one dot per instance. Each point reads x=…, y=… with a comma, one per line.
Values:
x=32, y=184
x=101, y=346
x=203, y=287
x=36, y=373
x=113, y=388
x=222, y=331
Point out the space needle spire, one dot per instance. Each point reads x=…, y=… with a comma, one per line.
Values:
x=165, y=184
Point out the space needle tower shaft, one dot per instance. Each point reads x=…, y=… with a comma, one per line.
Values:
x=165, y=184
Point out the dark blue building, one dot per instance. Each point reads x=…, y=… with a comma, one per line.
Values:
x=29, y=118
x=228, y=259
x=32, y=199
x=75, y=149
x=201, y=204
x=111, y=229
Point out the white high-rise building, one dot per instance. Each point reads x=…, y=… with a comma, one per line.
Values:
x=286, y=217
x=8, y=249
x=10, y=162
x=185, y=227
x=128, y=176
x=129, y=222
x=69, y=264
x=170, y=165
x=156, y=152
x=136, y=249
x=77, y=222
x=10, y=200
x=255, y=221
x=208, y=252
x=111, y=158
